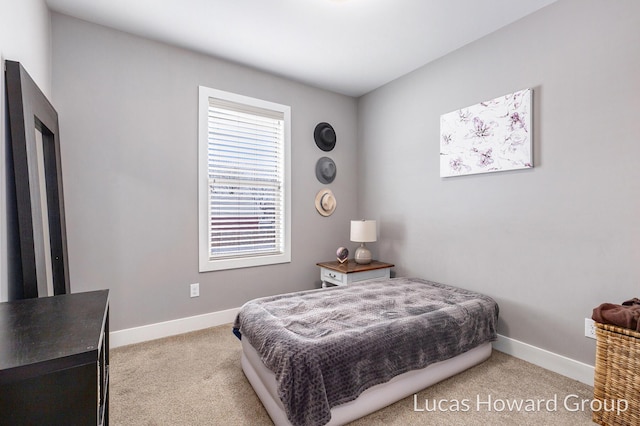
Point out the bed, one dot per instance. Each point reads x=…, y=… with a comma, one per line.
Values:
x=330, y=356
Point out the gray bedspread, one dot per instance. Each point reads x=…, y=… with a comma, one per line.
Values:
x=328, y=346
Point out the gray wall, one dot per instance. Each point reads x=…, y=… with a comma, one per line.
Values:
x=128, y=124
x=24, y=37
x=549, y=243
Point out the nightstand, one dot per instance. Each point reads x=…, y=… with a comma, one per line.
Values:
x=337, y=273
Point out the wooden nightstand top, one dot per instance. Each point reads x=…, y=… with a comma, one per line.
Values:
x=351, y=266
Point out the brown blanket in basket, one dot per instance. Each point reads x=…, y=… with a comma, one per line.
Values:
x=626, y=315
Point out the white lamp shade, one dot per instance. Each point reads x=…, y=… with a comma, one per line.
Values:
x=363, y=231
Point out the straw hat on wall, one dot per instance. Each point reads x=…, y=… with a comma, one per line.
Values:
x=325, y=202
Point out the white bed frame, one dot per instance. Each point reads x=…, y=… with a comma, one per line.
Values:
x=264, y=383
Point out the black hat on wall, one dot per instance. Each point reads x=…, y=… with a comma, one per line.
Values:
x=325, y=136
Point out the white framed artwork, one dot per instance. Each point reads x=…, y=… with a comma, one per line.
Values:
x=491, y=136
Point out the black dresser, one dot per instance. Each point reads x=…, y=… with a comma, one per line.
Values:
x=54, y=360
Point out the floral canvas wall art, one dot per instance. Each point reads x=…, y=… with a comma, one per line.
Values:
x=487, y=137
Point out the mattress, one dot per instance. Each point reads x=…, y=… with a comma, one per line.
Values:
x=373, y=399
x=326, y=347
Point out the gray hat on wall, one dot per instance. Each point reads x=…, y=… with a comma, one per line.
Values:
x=325, y=170
x=324, y=136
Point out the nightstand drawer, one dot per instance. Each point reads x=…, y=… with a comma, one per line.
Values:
x=333, y=277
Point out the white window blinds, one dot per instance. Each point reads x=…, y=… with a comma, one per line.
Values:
x=246, y=176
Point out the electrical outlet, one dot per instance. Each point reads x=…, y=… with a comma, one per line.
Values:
x=195, y=290
x=589, y=328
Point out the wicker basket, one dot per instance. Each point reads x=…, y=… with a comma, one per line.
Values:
x=617, y=376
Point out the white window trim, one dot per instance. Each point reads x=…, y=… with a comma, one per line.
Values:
x=205, y=263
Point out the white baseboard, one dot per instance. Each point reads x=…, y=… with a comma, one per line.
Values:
x=159, y=330
x=551, y=361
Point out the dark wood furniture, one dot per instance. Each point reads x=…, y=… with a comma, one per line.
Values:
x=54, y=360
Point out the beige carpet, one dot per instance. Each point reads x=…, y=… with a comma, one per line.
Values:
x=196, y=379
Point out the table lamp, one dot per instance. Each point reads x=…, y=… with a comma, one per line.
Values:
x=363, y=231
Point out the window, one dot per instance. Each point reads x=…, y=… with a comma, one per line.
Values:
x=244, y=185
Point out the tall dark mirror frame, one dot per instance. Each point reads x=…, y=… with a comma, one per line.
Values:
x=37, y=172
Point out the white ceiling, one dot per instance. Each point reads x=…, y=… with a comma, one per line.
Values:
x=347, y=46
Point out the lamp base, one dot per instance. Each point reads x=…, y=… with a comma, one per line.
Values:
x=362, y=255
